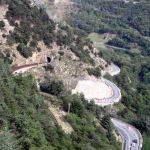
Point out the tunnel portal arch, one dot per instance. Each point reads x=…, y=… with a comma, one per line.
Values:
x=48, y=58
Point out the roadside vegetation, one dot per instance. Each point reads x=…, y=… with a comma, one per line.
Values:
x=26, y=122
x=130, y=25
x=128, y=21
x=94, y=71
x=134, y=82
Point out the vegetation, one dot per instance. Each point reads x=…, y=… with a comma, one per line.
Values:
x=130, y=24
x=2, y=24
x=24, y=50
x=61, y=53
x=49, y=67
x=26, y=122
x=126, y=20
x=134, y=84
x=23, y=113
x=32, y=24
x=87, y=133
x=94, y=71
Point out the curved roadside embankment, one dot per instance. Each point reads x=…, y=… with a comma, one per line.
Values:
x=113, y=98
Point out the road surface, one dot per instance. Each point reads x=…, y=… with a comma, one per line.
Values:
x=114, y=98
x=128, y=134
x=115, y=47
x=113, y=71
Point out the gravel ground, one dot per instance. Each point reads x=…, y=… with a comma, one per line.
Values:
x=93, y=89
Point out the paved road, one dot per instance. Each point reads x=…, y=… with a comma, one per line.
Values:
x=115, y=47
x=128, y=134
x=115, y=97
x=116, y=70
x=113, y=71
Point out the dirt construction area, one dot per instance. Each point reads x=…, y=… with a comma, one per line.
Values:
x=101, y=91
x=93, y=89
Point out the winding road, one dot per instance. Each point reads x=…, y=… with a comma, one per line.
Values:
x=127, y=132
x=129, y=135
x=113, y=71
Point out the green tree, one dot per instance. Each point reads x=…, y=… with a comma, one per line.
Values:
x=2, y=24
x=77, y=107
x=8, y=140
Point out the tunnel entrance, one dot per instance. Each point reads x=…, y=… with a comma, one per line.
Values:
x=48, y=59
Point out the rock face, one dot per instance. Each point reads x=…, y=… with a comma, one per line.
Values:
x=67, y=67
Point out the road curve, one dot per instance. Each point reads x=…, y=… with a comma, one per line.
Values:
x=128, y=134
x=114, y=98
x=113, y=71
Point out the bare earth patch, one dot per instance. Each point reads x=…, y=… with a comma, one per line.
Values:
x=93, y=89
x=59, y=115
x=118, y=137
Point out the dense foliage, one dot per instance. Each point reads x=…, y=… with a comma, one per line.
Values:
x=85, y=119
x=26, y=123
x=129, y=21
x=23, y=114
x=94, y=71
x=134, y=84
x=33, y=25
x=2, y=24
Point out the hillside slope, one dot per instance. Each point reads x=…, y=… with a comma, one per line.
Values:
x=28, y=36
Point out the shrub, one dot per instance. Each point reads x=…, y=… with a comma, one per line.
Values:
x=61, y=53
x=33, y=43
x=2, y=24
x=38, y=49
x=48, y=67
x=24, y=51
x=94, y=71
x=52, y=87
x=4, y=35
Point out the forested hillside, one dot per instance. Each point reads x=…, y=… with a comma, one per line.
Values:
x=32, y=25
x=130, y=22
x=26, y=121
